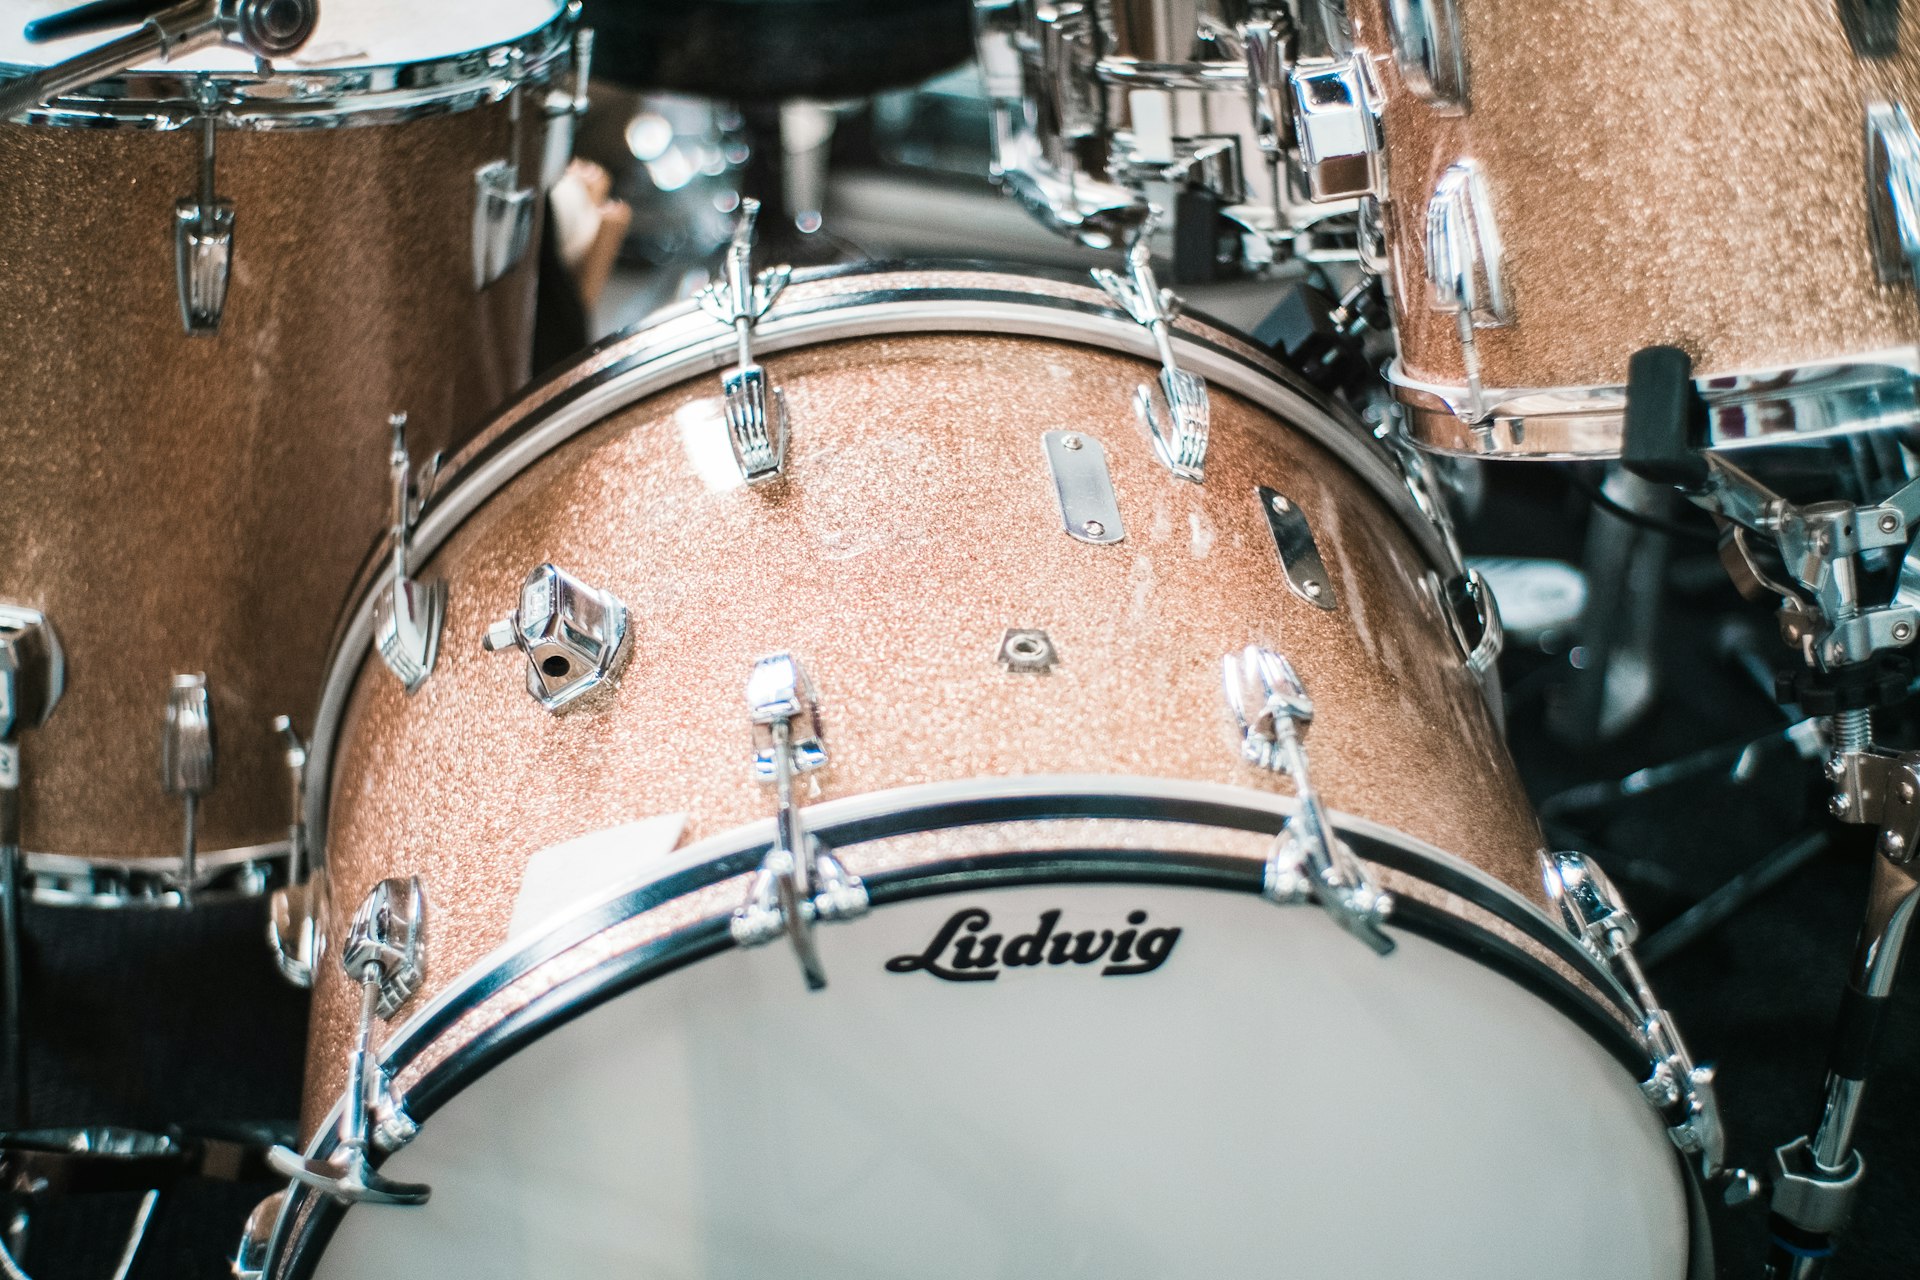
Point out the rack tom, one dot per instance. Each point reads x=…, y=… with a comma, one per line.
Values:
x=220, y=280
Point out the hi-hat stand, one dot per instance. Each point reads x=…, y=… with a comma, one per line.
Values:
x=1852, y=664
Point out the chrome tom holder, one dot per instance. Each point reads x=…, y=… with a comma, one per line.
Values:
x=1308, y=861
x=799, y=881
x=1101, y=111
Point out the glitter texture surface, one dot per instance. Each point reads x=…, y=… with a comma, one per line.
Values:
x=1685, y=174
x=180, y=504
x=916, y=524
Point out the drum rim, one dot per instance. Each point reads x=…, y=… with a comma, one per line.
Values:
x=307, y=1220
x=681, y=342
x=316, y=97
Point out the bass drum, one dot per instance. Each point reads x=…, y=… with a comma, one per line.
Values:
x=1072, y=1035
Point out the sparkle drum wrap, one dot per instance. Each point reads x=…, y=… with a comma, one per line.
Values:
x=183, y=503
x=1691, y=175
x=916, y=522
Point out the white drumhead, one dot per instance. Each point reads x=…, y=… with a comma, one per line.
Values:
x=1273, y=1099
x=350, y=33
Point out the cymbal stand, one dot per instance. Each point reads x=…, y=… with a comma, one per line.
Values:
x=1852, y=665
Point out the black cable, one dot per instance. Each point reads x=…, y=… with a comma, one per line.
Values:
x=1659, y=524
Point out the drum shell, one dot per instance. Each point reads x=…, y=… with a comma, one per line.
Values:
x=891, y=560
x=200, y=503
x=1681, y=175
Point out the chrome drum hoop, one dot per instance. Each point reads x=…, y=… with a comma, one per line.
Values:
x=1596, y=1003
x=62, y=880
x=316, y=98
x=682, y=342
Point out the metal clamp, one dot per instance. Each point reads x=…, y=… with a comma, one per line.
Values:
x=1180, y=438
x=383, y=953
x=1300, y=561
x=1594, y=915
x=799, y=882
x=297, y=911
x=187, y=762
x=1271, y=709
x=572, y=635
x=756, y=429
x=1429, y=52
x=1336, y=120
x=1466, y=267
x=203, y=233
x=408, y=616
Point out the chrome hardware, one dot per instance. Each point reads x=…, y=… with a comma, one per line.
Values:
x=33, y=675
x=1893, y=193
x=250, y=1259
x=186, y=761
x=502, y=208
x=1758, y=406
x=383, y=953
x=1428, y=51
x=1027, y=649
x=408, y=616
x=799, y=882
x=1336, y=119
x=296, y=913
x=1464, y=265
x=1594, y=916
x=1474, y=616
x=756, y=414
x=203, y=236
x=1465, y=260
x=1265, y=44
x=1083, y=486
x=566, y=106
x=572, y=635
x=1299, y=558
x=1308, y=862
x=1180, y=440
x=265, y=28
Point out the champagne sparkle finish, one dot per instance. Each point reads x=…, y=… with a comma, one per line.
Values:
x=180, y=504
x=1684, y=174
x=917, y=522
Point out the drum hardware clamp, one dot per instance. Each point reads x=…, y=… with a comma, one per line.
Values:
x=1336, y=118
x=383, y=953
x=573, y=635
x=1308, y=861
x=1179, y=438
x=33, y=675
x=1595, y=917
x=799, y=883
x=757, y=420
x=408, y=616
x=502, y=208
x=296, y=913
x=187, y=760
x=1088, y=509
x=1300, y=561
x=266, y=29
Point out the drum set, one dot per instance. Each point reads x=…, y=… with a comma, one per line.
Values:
x=921, y=769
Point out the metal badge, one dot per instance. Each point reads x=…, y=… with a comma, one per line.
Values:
x=1299, y=556
x=1084, y=486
